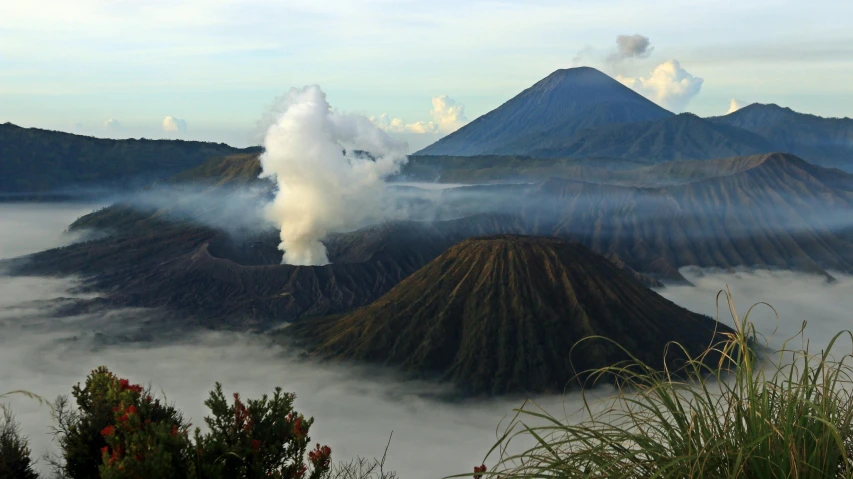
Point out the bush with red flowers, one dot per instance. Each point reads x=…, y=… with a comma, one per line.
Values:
x=258, y=438
x=118, y=431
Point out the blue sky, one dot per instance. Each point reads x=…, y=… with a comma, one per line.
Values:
x=219, y=64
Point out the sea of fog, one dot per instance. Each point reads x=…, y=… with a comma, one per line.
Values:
x=356, y=409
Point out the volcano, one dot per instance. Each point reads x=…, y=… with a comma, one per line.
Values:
x=504, y=314
x=560, y=105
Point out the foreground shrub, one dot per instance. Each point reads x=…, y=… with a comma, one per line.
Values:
x=743, y=418
x=118, y=430
x=15, y=462
x=259, y=438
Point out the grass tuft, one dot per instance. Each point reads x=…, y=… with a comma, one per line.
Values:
x=21, y=392
x=748, y=413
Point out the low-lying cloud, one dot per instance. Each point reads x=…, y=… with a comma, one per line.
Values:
x=669, y=85
x=112, y=124
x=173, y=124
x=631, y=46
x=447, y=117
x=236, y=210
x=33, y=227
x=824, y=306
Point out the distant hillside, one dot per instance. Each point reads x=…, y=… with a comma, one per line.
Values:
x=503, y=169
x=681, y=137
x=34, y=161
x=563, y=103
x=612, y=171
x=780, y=212
x=771, y=211
x=501, y=314
x=822, y=141
x=234, y=170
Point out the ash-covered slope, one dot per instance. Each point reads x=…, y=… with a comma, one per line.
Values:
x=559, y=105
x=501, y=314
x=223, y=281
x=780, y=212
x=768, y=211
x=822, y=141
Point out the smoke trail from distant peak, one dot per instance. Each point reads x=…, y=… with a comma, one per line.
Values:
x=330, y=169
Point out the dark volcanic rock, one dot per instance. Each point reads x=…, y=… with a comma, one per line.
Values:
x=238, y=282
x=501, y=314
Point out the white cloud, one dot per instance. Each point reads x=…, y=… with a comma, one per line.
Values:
x=112, y=124
x=736, y=105
x=171, y=123
x=447, y=117
x=391, y=125
x=668, y=85
x=631, y=46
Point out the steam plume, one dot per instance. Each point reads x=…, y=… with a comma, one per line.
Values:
x=631, y=46
x=330, y=169
x=735, y=105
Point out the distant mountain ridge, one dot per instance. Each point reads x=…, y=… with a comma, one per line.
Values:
x=35, y=161
x=680, y=137
x=583, y=113
x=823, y=141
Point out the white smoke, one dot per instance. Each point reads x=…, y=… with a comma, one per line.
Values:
x=631, y=46
x=171, y=123
x=112, y=124
x=669, y=85
x=582, y=55
x=735, y=105
x=447, y=117
x=330, y=169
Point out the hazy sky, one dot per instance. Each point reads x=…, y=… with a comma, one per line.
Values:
x=214, y=66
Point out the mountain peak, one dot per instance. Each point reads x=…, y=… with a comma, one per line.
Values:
x=579, y=72
x=564, y=102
